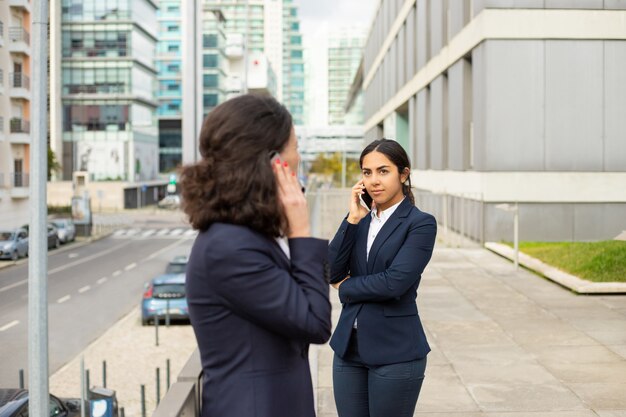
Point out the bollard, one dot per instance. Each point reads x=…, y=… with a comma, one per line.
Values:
x=167, y=313
x=104, y=374
x=82, y=386
x=156, y=330
x=167, y=373
x=143, y=401
x=158, y=385
x=87, y=383
x=122, y=412
x=21, y=379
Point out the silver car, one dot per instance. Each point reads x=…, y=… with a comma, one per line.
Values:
x=65, y=230
x=13, y=244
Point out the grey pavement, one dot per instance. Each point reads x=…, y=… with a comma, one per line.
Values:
x=505, y=343
x=510, y=343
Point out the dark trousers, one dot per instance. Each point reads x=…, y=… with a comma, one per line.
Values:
x=375, y=391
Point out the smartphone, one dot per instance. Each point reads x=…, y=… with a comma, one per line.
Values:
x=366, y=199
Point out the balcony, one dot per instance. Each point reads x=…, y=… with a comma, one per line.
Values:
x=1, y=34
x=19, y=40
x=23, y=5
x=19, y=86
x=19, y=131
x=1, y=129
x=1, y=80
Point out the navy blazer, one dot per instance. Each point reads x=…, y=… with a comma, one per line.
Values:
x=382, y=289
x=254, y=313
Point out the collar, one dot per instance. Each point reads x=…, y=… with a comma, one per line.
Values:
x=385, y=214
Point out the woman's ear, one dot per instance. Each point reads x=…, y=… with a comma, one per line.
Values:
x=405, y=175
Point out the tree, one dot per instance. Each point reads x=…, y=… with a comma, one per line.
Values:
x=53, y=164
x=329, y=166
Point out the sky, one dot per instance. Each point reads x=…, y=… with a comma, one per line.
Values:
x=314, y=13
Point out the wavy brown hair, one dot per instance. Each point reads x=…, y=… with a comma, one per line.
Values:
x=397, y=155
x=234, y=181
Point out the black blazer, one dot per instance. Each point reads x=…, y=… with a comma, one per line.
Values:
x=254, y=313
x=382, y=290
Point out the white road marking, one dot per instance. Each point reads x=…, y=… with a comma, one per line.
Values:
x=63, y=299
x=148, y=233
x=102, y=280
x=163, y=232
x=132, y=232
x=131, y=266
x=176, y=232
x=8, y=326
x=15, y=284
x=72, y=255
x=191, y=232
x=119, y=232
x=84, y=289
x=117, y=273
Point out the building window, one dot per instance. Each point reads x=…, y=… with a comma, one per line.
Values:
x=209, y=41
x=210, y=100
x=210, y=61
x=296, y=54
x=210, y=80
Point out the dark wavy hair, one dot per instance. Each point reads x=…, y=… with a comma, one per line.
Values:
x=397, y=155
x=234, y=182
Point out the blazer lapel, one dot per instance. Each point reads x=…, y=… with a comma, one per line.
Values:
x=388, y=228
x=361, y=246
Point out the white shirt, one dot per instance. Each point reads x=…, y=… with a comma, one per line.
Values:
x=377, y=223
x=283, y=242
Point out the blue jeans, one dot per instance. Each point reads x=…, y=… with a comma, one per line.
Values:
x=376, y=391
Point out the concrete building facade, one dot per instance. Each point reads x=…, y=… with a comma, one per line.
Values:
x=519, y=101
x=15, y=102
x=104, y=119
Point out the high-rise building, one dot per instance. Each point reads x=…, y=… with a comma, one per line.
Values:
x=15, y=97
x=169, y=92
x=345, y=49
x=107, y=124
x=506, y=102
x=293, y=63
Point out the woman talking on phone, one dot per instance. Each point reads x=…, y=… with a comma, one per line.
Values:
x=256, y=281
x=376, y=261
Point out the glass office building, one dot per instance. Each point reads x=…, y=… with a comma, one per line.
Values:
x=108, y=89
x=293, y=63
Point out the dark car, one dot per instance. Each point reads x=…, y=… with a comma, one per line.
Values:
x=14, y=403
x=178, y=265
x=165, y=295
x=53, y=236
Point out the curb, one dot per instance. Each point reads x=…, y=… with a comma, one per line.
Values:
x=571, y=282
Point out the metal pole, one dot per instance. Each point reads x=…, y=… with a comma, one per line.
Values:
x=167, y=313
x=21, y=378
x=167, y=373
x=143, y=401
x=82, y=387
x=516, y=235
x=104, y=374
x=158, y=385
x=245, y=51
x=87, y=383
x=122, y=412
x=38, y=398
x=156, y=330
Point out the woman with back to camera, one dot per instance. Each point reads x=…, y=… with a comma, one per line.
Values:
x=256, y=284
x=376, y=261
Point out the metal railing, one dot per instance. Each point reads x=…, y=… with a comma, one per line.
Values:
x=19, y=34
x=19, y=179
x=19, y=80
x=20, y=126
x=183, y=398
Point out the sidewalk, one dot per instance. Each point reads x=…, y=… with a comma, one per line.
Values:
x=507, y=343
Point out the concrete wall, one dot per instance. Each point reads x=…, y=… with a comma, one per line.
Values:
x=60, y=194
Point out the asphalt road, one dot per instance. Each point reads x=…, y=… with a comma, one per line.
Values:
x=90, y=287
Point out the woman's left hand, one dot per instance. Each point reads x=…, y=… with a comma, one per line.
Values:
x=337, y=284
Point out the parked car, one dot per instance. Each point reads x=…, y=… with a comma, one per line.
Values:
x=13, y=244
x=171, y=201
x=53, y=237
x=178, y=265
x=163, y=294
x=65, y=230
x=14, y=403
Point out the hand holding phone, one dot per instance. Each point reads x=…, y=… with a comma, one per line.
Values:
x=358, y=210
